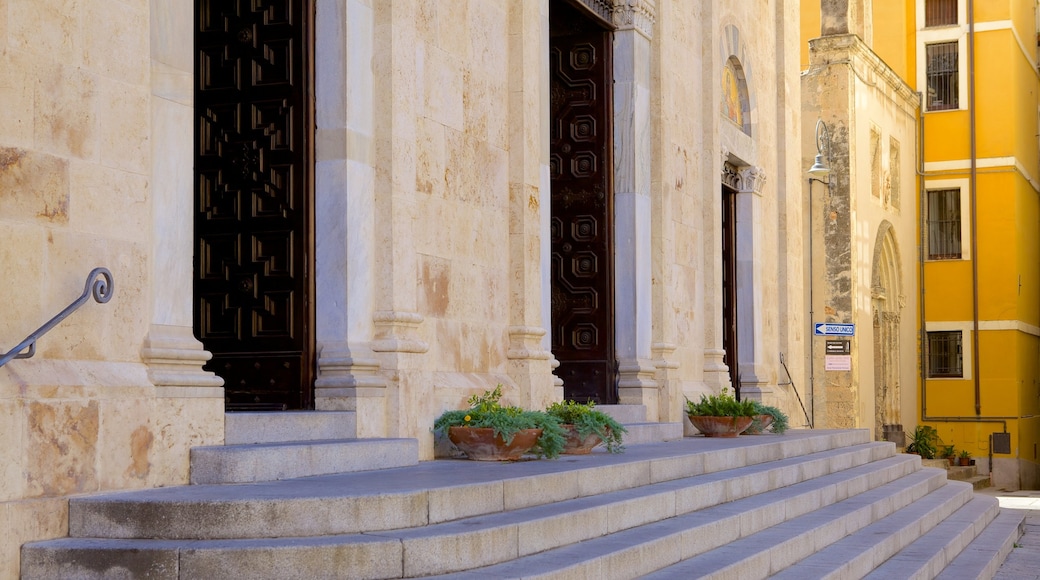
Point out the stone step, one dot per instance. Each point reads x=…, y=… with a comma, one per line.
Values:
x=855, y=555
x=439, y=491
x=652, y=550
x=222, y=464
x=507, y=534
x=639, y=433
x=983, y=556
x=696, y=507
x=933, y=549
x=244, y=428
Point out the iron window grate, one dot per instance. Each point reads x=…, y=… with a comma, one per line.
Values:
x=945, y=358
x=942, y=76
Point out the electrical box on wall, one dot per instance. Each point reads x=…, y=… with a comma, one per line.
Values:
x=1000, y=442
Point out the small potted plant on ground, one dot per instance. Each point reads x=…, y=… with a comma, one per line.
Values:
x=586, y=427
x=949, y=454
x=964, y=459
x=489, y=431
x=720, y=415
x=767, y=417
x=923, y=441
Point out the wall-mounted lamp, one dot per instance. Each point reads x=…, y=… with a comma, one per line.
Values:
x=819, y=169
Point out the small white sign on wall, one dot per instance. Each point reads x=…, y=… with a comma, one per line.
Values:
x=837, y=362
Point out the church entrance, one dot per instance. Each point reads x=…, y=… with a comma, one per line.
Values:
x=581, y=72
x=253, y=285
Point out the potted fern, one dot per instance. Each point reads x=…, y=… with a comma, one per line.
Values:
x=587, y=427
x=720, y=415
x=489, y=431
x=767, y=417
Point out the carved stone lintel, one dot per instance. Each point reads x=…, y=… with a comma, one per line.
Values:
x=635, y=14
x=396, y=332
x=730, y=176
x=750, y=179
x=175, y=359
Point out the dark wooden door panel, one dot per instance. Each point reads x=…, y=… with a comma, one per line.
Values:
x=252, y=286
x=580, y=166
x=729, y=286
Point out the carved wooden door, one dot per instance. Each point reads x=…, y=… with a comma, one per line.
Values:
x=729, y=286
x=581, y=166
x=252, y=201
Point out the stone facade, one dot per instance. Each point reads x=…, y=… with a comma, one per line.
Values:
x=431, y=189
x=864, y=232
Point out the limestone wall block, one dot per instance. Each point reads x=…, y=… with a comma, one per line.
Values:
x=442, y=87
x=179, y=425
x=17, y=94
x=60, y=441
x=49, y=29
x=34, y=186
x=122, y=51
x=111, y=331
x=125, y=443
x=124, y=118
x=66, y=113
x=12, y=454
x=27, y=521
x=430, y=167
x=22, y=270
x=109, y=203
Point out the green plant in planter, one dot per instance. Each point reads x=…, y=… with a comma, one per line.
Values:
x=779, y=424
x=587, y=421
x=924, y=441
x=721, y=405
x=486, y=410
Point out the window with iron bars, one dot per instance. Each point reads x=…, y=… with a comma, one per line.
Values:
x=940, y=12
x=945, y=359
x=942, y=77
x=944, y=224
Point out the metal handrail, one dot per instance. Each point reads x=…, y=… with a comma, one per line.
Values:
x=99, y=285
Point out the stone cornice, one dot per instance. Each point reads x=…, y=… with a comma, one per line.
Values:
x=602, y=8
x=635, y=14
x=849, y=49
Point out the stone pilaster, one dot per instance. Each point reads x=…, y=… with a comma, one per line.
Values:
x=632, y=175
x=175, y=359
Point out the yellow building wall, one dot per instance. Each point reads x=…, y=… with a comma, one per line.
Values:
x=893, y=21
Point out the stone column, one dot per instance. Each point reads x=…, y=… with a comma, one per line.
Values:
x=172, y=353
x=348, y=370
x=397, y=323
x=528, y=354
x=754, y=376
x=632, y=242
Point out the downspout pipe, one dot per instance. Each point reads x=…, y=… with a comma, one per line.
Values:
x=973, y=179
x=922, y=253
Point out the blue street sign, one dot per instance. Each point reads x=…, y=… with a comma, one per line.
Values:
x=834, y=329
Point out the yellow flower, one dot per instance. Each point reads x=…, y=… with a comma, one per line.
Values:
x=467, y=418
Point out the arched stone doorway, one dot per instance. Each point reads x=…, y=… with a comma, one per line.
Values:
x=886, y=301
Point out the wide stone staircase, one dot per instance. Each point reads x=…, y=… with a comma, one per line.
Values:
x=807, y=504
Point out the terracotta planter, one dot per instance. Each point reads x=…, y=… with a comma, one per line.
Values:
x=964, y=461
x=481, y=443
x=720, y=426
x=576, y=445
x=764, y=421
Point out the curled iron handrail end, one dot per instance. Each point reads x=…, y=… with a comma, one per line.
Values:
x=100, y=285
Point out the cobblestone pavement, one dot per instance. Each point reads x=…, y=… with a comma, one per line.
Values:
x=1023, y=563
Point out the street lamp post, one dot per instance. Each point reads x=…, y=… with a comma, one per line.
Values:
x=817, y=172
